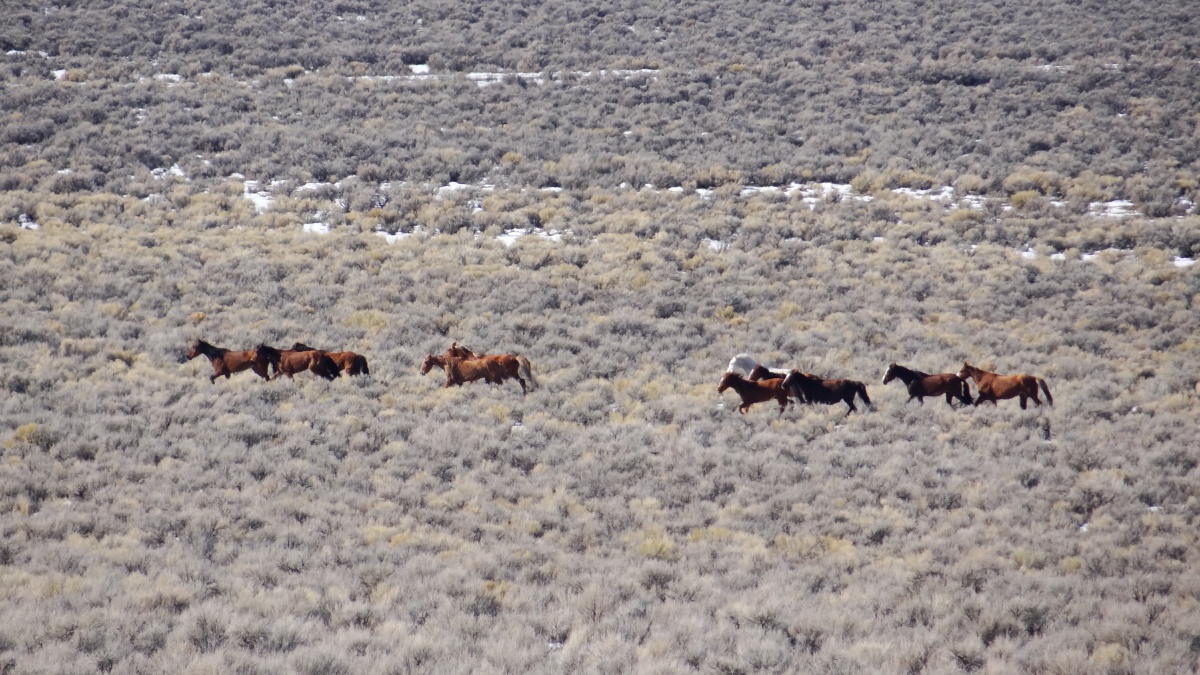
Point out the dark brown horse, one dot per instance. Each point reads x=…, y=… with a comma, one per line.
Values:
x=348, y=362
x=993, y=387
x=226, y=362
x=809, y=388
x=921, y=384
x=493, y=368
x=289, y=362
x=754, y=392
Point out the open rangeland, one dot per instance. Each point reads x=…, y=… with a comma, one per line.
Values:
x=622, y=513
x=628, y=196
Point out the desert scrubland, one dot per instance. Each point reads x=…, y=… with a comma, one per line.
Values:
x=628, y=196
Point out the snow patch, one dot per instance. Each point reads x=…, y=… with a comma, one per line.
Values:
x=27, y=223
x=317, y=228
x=393, y=238
x=1117, y=208
x=261, y=199
x=161, y=173
x=510, y=237
x=1181, y=261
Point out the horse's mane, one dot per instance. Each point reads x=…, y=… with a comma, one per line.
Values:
x=913, y=371
x=271, y=353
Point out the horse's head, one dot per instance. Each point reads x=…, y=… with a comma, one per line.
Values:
x=889, y=374
x=196, y=349
x=454, y=351
x=968, y=371
x=727, y=381
x=264, y=353
x=430, y=361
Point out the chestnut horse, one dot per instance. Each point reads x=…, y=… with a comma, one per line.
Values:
x=754, y=392
x=494, y=369
x=348, y=362
x=760, y=372
x=921, y=384
x=993, y=387
x=809, y=388
x=512, y=366
x=289, y=362
x=226, y=362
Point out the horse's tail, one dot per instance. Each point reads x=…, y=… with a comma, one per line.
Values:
x=862, y=392
x=525, y=370
x=1045, y=390
x=359, y=366
x=965, y=396
x=328, y=369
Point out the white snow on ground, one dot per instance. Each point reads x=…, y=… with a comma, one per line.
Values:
x=715, y=244
x=421, y=72
x=455, y=187
x=1181, y=261
x=1118, y=208
x=393, y=238
x=262, y=199
x=161, y=173
x=27, y=223
x=317, y=228
x=312, y=187
x=60, y=74
x=173, y=78
x=510, y=237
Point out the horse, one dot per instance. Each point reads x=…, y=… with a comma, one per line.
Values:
x=494, y=369
x=226, y=362
x=754, y=392
x=993, y=387
x=921, y=384
x=347, y=362
x=289, y=362
x=809, y=388
x=458, y=352
x=760, y=372
x=741, y=364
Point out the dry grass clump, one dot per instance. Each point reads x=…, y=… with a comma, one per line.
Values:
x=622, y=516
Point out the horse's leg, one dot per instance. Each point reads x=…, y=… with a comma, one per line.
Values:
x=522, y=381
x=1023, y=397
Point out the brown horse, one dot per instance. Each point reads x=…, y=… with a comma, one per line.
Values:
x=458, y=352
x=348, y=362
x=459, y=370
x=760, y=372
x=289, y=362
x=226, y=362
x=809, y=388
x=921, y=384
x=754, y=392
x=993, y=387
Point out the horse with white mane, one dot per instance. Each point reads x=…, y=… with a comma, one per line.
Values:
x=744, y=364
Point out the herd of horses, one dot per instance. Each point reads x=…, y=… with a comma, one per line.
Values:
x=756, y=383
x=268, y=362
x=459, y=363
x=752, y=381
